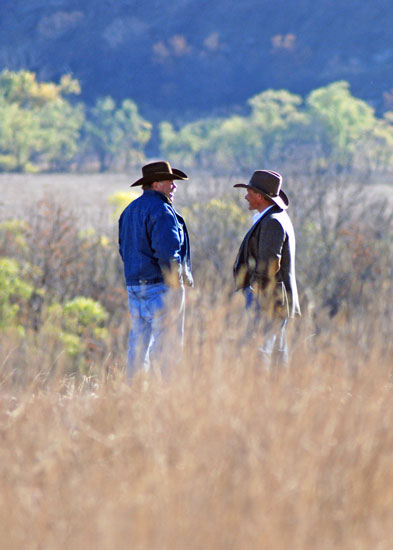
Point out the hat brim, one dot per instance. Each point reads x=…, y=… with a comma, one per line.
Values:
x=280, y=200
x=179, y=173
x=161, y=176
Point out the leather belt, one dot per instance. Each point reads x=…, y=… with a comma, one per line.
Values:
x=144, y=282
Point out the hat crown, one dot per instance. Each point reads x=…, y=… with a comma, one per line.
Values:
x=267, y=181
x=160, y=170
x=157, y=167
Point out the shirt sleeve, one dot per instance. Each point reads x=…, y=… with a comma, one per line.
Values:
x=120, y=236
x=165, y=240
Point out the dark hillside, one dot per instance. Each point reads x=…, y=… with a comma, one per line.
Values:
x=197, y=56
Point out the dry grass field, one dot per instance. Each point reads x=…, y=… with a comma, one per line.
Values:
x=224, y=455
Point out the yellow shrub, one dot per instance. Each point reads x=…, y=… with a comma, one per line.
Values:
x=120, y=200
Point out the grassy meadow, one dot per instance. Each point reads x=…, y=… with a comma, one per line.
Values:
x=224, y=455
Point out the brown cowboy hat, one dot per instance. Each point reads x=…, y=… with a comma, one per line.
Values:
x=159, y=171
x=268, y=183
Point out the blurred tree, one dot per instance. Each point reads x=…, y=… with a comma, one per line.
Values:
x=374, y=151
x=275, y=121
x=136, y=132
x=330, y=127
x=237, y=143
x=60, y=131
x=38, y=126
x=20, y=137
x=338, y=120
x=278, y=119
x=116, y=135
x=102, y=134
x=192, y=143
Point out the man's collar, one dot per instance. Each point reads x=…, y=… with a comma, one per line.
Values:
x=158, y=194
x=259, y=215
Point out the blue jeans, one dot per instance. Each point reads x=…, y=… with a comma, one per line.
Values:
x=157, y=327
x=274, y=345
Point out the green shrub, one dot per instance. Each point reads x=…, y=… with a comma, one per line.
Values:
x=13, y=237
x=14, y=292
x=79, y=326
x=81, y=314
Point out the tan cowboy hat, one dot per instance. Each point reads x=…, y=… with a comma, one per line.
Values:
x=159, y=171
x=268, y=183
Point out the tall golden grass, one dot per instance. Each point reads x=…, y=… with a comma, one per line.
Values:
x=224, y=455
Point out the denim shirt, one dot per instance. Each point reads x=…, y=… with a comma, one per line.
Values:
x=153, y=239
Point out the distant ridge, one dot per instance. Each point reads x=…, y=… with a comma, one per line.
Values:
x=186, y=58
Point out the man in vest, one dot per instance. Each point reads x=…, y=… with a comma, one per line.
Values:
x=265, y=265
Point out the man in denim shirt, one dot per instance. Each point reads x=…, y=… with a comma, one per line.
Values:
x=155, y=249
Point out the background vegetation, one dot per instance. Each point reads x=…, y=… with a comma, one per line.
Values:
x=42, y=130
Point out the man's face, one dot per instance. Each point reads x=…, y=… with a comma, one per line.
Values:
x=167, y=187
x=255, y=200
